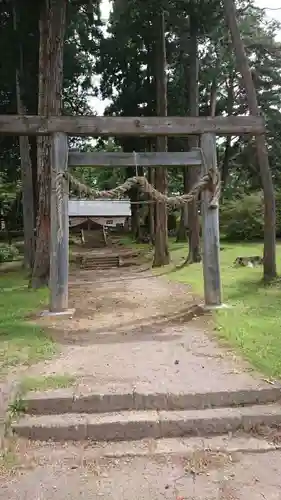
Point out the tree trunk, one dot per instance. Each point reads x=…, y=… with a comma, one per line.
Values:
x=26, y=167
x=151, y=211
x=225, y=164
x=135, y=210
x=52, y=30
x=182, y=233
x=139, y=234
x=227, y=151
x=194, y=254
x=135, y=207
x=161, y=251
x=269, y=269
x=213, y=97
x=33, y=158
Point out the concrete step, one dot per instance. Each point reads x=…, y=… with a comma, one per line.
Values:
x=135, y=425
x=239, y=442
x=101, y=262
x=100, y=255
x=109, y=257
x=68, y=401
x=100, y=265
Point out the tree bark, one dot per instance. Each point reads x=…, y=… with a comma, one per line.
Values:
x=26, y=166
x=151, y=211
x=227, y=150
x=213, y=97
x=225, y=163
x=269, y=261
x=161, y=251
x=182, y=233
x=194, y=254
x=135, y=207
x=135, y=210
x=52, y=30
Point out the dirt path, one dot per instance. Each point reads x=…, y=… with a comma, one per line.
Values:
x=122, y=300
x=75, y=472
x=134, y=331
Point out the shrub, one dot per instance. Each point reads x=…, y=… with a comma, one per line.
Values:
x=8, y=252
x=242, y=218
x=278, y=213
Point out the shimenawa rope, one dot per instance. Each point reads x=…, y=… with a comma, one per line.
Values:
x=209, y=181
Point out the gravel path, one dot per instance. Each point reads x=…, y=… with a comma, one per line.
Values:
x=137, y=332
x=72, y=473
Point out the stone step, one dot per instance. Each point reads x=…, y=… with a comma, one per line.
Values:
x=135, y=425
x=99, y=265
x=93, y=263
x=95, y=256
x=103, y=262
x=100, y=258
x=67, y=401
x=184, y=446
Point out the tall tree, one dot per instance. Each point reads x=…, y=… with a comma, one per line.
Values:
x=26, y=166
x=269, y=199
x=193, y=173
x=161, y=250
x=52, y=32
x=151, y=208
x=184, y=61
x=81, y=44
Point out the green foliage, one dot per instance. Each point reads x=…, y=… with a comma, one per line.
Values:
x=46, y=382
x=127, y=65
x=17, y=407
x=99, y=177
x=278, y=213
x=81, y=46
x=8, y=253
x=124, y=57
x=242, y=218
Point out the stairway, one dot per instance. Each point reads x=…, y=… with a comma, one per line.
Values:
x=126, y=417
x=106, y=261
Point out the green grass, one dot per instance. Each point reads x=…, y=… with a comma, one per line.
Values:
x=252, y=326
x=46, y=383
x=20, y=341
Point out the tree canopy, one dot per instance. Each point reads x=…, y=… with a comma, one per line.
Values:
x=123, y=54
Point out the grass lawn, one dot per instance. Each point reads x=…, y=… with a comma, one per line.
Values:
x=46, y=382
x=20, y=342
x=252, y=326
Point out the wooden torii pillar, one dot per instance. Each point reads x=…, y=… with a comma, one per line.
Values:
x=59, y=252
x=210, y=230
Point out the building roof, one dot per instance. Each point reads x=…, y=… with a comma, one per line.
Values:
x=99, y=208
